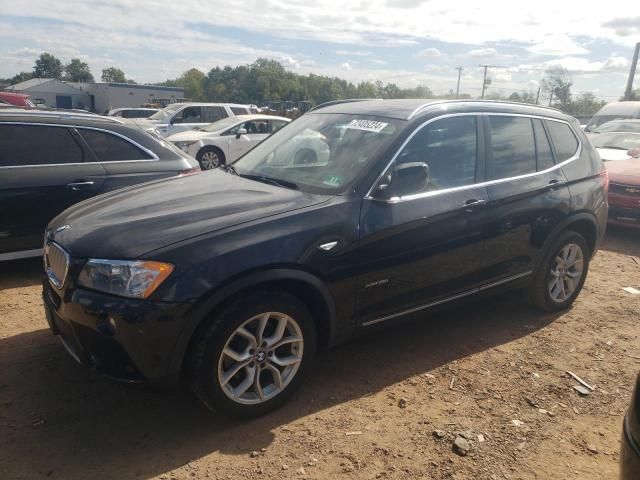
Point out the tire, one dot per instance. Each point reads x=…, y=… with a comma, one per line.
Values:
x=552, y=280
x=210, y=362
x=210, y=158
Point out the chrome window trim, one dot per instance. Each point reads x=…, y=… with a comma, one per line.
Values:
x=79, y=127
x=486, y=183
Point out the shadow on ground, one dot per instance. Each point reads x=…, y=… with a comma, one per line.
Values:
x=20, y=273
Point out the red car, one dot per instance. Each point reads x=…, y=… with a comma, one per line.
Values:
x=624, y=192
x=16, y=99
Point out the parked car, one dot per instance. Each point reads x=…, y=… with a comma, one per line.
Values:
x=228, y=139
x=52, y=160
x=616, y=146
x=179, y=117
x=617, y=126
x=232, y=279
x=630, y=456
x=624, y=192
x=139, y=112
x=16, y=99
x=614, y=111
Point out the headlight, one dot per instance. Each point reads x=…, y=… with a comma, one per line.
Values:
x=134, y=279
x=184, y=146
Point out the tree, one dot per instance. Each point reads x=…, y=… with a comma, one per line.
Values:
x=20, y=77
x=585, y=104
x=113, y=74
x=557, y=82
x=523, y=97
x=77, y=71
x=47, y=66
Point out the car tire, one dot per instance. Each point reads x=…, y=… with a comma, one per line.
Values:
x=210, y=158
x=232, y=342
x=561, y=273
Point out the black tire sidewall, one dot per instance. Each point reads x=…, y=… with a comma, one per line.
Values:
x=540, y=290
x=221, y=157
x=210, y=348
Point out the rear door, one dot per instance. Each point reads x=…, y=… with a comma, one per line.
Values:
x=43, y=171
x=426, y=247
x=124, y=161
x=528, y=194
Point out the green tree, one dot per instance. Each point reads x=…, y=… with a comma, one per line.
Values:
x=557, y=82
x=47, y=66
x=77, y=71
x=20, y=77
x=585, y=104
x=113, y=74
x=193, y=82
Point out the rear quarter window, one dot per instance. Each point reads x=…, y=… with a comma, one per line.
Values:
x=564, y=140
x=22, y=145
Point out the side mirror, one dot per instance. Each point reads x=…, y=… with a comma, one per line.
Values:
x=407, y=178
x=240, y=132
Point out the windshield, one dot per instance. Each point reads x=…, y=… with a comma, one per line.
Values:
x=165, y=113
x=220, y=124
x=320, y=153
x=619, y=126
x=598, y=120
x=620, y=141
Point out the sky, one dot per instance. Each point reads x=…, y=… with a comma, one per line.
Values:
x=407, y=42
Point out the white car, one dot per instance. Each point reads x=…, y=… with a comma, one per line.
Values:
x=228, y=139
x=179, y=117
x=132, y=112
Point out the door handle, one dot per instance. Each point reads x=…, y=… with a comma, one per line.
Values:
x=79, y=184
x=474, y=203
x=555, y=183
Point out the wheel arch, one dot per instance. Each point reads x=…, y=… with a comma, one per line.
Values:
x=304, y=285
x=212, y=146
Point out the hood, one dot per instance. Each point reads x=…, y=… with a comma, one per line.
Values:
x=143, y=123
x=612, y=154
x=189, y=135
x=130, y=222
x=626, y=172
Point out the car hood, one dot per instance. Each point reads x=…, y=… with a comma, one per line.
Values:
x=143, y=123
x=189, y=135
x=612, y=154
x=131, y=222
x=626, y=172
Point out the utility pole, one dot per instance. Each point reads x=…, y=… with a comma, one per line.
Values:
x=458, y=87
x=629, y=91
x=538, y=96
x=550, y=97
x=484, y=77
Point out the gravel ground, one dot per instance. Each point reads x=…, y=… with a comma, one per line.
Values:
x=489, y=376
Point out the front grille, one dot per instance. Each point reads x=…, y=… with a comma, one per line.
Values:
x=56, y=261
x=624, y=189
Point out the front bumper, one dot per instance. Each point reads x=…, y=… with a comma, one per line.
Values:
x=624, y=210
x=126, y=339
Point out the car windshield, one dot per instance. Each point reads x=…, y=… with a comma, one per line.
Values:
x=320, y=153
x=598, y=120
x=620, y=141
x=220, y=124
x=619, y=126
x=166, y=112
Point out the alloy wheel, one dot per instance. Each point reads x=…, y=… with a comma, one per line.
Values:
x=209, y=160
x=566, y=272
x=260, y=358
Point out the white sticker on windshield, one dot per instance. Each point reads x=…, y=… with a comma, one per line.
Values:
x=367, y=125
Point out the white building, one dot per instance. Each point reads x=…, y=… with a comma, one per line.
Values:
x=96, y=97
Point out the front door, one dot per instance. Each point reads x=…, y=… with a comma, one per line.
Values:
x=256, y=131
x=427, y=246
x=42, y=172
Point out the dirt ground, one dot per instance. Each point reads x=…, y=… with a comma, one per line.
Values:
x=386, y=406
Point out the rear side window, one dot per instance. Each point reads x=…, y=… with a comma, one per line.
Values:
x=38, y=145
x=543, y=148
x=449, y=147
x=111, y=148
x=564, y=141
x=277, y=125
x=512, y=147
x=239, y=111
x=213, y=114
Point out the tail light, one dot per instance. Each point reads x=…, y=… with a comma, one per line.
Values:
x=604, y=178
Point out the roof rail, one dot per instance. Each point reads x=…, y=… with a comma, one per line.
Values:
x=338, y=102
x=58, y=114
x=469, y=100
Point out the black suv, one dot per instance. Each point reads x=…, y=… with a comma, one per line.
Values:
x=354, y=215
x=51, y=160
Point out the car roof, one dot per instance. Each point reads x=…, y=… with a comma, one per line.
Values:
x=407, y=109
x=211, y=104
x=619, y=108
x=54, y=116
x=257, y=116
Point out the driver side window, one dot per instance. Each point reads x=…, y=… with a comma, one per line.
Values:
x=188, y=115
x=449, y=148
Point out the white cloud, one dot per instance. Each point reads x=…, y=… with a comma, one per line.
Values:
x=354, y=53
x=557, y=44
x=483, y=52
x=430, y=52
x=346, y=66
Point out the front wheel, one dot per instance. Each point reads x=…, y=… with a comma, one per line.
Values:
x=210, y=157
x=254, y=354
x=562, y=273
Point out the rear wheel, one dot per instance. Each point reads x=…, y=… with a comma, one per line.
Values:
x=254, y=354
x=210, y=157
x=562, y=273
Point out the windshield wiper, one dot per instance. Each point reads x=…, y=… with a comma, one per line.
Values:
x=273, y=181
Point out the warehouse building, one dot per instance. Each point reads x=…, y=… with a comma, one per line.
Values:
x=95, y=97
